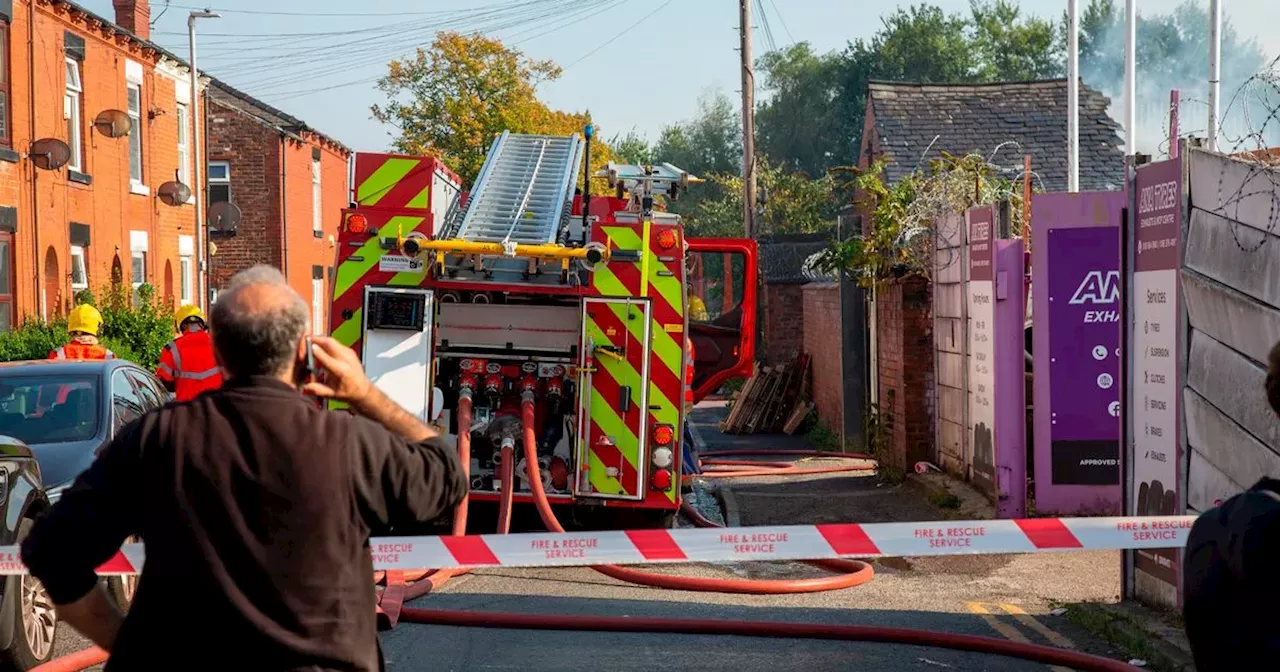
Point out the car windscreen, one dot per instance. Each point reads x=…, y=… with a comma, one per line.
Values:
x=50, y=408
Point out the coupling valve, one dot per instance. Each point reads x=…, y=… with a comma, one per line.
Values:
x=466, y=384
x=493, y=383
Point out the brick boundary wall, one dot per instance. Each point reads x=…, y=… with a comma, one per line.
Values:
x=821, y=339
x=906, y=375
x=784, y=323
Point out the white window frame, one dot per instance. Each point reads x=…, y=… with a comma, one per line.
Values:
x=183, y=113
x=186, y=270
x=137, y=177
x=317, y=198
x=78, y=252
x=224, y=180
x=317, y=306
x=72, y=104
x=138, y=245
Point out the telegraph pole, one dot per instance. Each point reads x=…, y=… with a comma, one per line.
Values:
x=748, y=122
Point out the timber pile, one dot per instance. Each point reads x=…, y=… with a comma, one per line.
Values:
x=775, y=399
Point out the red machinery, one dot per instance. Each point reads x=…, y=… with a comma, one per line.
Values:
x=527, y=286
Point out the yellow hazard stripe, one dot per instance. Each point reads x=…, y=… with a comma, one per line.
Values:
x=384, y=179
x=600, y=480
x=422, y=200
x=644, y=263
x=608, y=284
x=348, y=332
x=613, y=425
x=366, y=258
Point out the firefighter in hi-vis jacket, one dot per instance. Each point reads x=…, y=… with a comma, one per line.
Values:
x=187, y=364
x=84, y=323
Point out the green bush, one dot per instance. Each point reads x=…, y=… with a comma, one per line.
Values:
x=133, y=330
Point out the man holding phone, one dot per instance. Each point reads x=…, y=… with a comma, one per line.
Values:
x=255, y=506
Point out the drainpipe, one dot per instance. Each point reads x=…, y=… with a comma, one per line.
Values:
x=31, y=120
x=284, y=209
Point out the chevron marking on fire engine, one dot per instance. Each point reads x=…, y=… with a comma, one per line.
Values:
x=352, y=271
x=348, y=332
x=606, y=329
x=384, y=179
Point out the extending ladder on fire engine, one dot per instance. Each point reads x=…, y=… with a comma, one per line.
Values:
x=524, y=191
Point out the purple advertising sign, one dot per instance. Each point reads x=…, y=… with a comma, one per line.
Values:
x=1084, y=334
x=1154, y=405
x=1075, y=270
x=982, y=370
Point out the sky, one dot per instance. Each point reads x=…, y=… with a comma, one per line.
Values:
x=635, y=64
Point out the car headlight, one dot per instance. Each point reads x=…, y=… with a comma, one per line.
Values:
x=54, y=494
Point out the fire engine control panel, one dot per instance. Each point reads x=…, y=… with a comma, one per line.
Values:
x=397, y=345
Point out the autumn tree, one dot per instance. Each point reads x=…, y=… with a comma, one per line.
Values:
x=451, y=99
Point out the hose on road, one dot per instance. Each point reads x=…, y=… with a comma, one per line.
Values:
x=850, y=633
x=853, y=573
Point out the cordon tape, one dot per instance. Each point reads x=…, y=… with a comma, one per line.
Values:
x=786, y=542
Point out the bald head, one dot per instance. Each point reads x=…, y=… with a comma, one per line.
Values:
x=257, y=323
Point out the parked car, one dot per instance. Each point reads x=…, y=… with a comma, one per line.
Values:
x=28, y=621
x=68, y=411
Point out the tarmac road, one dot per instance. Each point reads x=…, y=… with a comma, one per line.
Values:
x=1010, y=597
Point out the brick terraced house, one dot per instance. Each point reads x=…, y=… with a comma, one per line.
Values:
x=289, y=183
x=112, y=210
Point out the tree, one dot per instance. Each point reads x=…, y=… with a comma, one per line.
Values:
x=451, y=99
x=710, y=142
x=633, y=149
x=798, y=113
x=794, y=203
x=1011, y=47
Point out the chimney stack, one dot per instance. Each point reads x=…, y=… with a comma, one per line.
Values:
x=134, y=16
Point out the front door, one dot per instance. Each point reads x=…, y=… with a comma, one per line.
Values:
x=614, y=398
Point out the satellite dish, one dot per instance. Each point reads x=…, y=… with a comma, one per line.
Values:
x=174, y=193
x=50, y=153
x=113, y=123
x=224, y=217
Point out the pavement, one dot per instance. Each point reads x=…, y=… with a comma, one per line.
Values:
x=1014, y=597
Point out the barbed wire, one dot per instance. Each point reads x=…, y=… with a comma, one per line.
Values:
x=1247, y=128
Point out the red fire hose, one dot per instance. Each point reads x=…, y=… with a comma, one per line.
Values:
x=850, y=633
x=856, y=573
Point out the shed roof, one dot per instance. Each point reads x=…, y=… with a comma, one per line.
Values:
x=1002, y=121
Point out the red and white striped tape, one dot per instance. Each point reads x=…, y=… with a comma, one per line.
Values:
x=789, y=542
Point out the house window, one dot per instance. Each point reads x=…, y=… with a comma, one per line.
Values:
x=317, y=306
x=5, y=138
x=138, y=256
x=186, y=269
x=6, y=281
x=317, y=222
x=135, y=134
x=219, y=182
x=184, y=155
x=79, y=270
x=72, y=111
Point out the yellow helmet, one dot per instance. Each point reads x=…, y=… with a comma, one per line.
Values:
x=698, y=310
x=84, y=318
x=187, y=312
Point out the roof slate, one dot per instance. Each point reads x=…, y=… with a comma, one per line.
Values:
x=960, y=119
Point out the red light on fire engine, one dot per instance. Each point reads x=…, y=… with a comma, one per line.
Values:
x=357, y=224
x=661, y=480
x=667, y=239
x=663, y=434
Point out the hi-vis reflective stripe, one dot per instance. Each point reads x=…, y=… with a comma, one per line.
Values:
x=199, y=375
x=738, y=544
x=172, y=347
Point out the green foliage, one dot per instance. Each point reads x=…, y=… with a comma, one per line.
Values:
x=451, y=99
x=633, y=149
x=904, y=216
x=793, y=203
x=133, y=331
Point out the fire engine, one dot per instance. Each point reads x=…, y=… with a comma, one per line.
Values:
x=528, y=292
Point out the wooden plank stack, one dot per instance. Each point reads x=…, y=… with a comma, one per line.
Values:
x=774, y=399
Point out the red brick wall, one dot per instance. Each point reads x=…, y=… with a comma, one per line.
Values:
x=905, y=338
x=106, y=205
x=252, y=150
x=264, y=166
x=784, y=329
x=822, y=341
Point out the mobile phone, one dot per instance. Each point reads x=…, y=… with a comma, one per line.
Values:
x=308, y=373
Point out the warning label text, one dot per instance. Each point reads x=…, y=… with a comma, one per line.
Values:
x=564, y=549
x=755, y=543
x=951, y=537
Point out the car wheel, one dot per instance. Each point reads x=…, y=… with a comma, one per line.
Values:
x=36, y=621
x=123, y=588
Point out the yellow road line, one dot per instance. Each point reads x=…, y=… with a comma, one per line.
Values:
x=1031, y=622
x=1007, y=631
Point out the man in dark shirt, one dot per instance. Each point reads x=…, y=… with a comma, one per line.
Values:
x=254, y=505
x=1231, y=575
